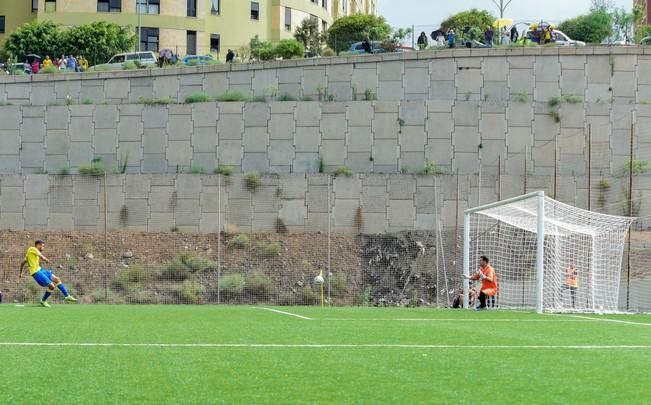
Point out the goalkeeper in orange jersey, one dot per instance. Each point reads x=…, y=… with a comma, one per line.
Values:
x=571, y=282
x=486, y=274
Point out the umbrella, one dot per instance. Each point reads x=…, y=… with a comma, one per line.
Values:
x=165, y=53
x=503, y=22
x=31, y=57
x=542, y=25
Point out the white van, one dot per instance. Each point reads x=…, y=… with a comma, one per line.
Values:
x=147, y=58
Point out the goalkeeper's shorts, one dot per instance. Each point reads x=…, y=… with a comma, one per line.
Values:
x=43, y=277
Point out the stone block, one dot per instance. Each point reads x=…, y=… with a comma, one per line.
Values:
x=439, y=151
x=465, y=162
x=155, y=117
x=210, y=199
x=599, y=69
x=517, y=138
x=81, y=153
x=360, y=113
x=365, y=80
x=36, y=186
x=347, y=187
x=344, y=212
x=333, y=126
x=439, y=125
x=390, y=90
x=60, y=222
x=58, y=142
x=389, y=70
x=495, y=91
x=166, y=86
x=442, y=69
x=305, y=162
x=33, y=130
x=230, y=152
x=359, y=162
x=492, y=126
x=12, y=199
x=12, y=221
x=293, y=212
x=281, y=152
x=307, y=139
x=255, y=162
x=163, y=198
x=495, y=69
x=161, y=222
x=281, y=126
x=416, y=80
x=137, y=187
x=546, y=90
x=57, y=117
x=547, y=68
x=466, y=139
x=317, y=222
x=187, y=212
x=333, y=152
x=374, y=199
x=469, y=81
x=412, y=138
x=85, y=214
x=155, y=141
x=401, y=213
x=188, y=186
x=32, y=155
x=204, y=115
x=239, y=213
x=521, y=80
x=359, y=139
x=317, y=198
x=373, y=224
x=230, y=126
x=179, y=128
x=573, y=82
x=255, y=139
x=179, y=153
x=624, y=84
x=105, y=141
x=81, y=128
x=130, y=128
x=402, y=187
x=154, y=163
x=519, y=115
x=412, y=113
x=385, y=152
x=425, y=222
x=256, y=115
x=466, y=114
x=313, y=80
x=117, y=88
x=106, y=116
x=293, y=186
x=412, y=161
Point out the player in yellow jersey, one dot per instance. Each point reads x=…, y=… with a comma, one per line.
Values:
x=43, y=277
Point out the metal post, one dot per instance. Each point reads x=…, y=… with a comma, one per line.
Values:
x=466, y=258
x=413, y=37
x=540, y=246
x=590, y=167
x=219, y=235
x=525, y=169
x=105, y=239
x=329, y=238
x=555, y=167
x=436, y=250
x=499, y=177
x=139, y=14
x=630, y=214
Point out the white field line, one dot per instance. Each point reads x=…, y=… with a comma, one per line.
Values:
x=449, y=320
x=287, y=313
x=609, y=320
x=324, y=346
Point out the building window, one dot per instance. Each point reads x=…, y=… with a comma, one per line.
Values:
x=215, y=45
x=50, y=5
x=324, y=3
x=149, y=39
x=34, y=6
x=192, y=8
x=113, y=6
x=214, y=8
x=288, y=19
x=191, y=43
x=2, y=24
x=149, y=6
x=255, y=10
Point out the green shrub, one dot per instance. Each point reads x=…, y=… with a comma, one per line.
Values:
x=343, y=171
x=638, y=166
x=98, y=295
x=99, y=68
x=327, y=52
x=369, y=95
x=307, y=98
x=191, y=292
x=290, y=48
x=129, y=65
x=49, y=70
x=521, y=96
x=339, y=285
x=155, y=101
x=197, y=98
x=252, y=181
x=554, y=102
x=231, y=286
x=95, y=168
x=258, y=286
x=87, y=101
x=175, y=270
x=142, y=297
x=241, y=241
x=271, y=249
x=233, y=95
x=196, y=169
x=64, y=170
x=223, y=170
x=572, y=99
x=308, y=296
x=431, y=168
x=286, y=97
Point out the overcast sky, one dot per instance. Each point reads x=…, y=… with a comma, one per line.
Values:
x=405, y=13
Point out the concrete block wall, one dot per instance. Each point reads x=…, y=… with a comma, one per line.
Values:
x=292, y=137
x=370, y=203
x=594, y=73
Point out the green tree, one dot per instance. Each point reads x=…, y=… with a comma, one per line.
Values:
x=310, y=36
x=97, y=41
x=642, y=31
x=289, y=48
x=355, y=28
x=261, y=50
x=41, y=38
x=591, y=28
x=469, y=24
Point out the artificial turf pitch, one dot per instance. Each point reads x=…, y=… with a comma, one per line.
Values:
x=91, y=354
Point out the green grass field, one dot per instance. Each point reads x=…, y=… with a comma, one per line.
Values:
x=211, y=354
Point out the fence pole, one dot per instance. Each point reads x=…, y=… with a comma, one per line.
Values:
x=105, y=239
x=413, y=37
x=555, y=167
x=456, y=223
x=329, y=239
x=590, y=167
x=630, y=214
x=436, y=250
x=219, y=236
x=525, y=169
x=499, y=178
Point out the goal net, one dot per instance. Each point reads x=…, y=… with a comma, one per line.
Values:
x=547, y=255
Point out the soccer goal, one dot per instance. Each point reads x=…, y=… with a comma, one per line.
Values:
x=547, y=255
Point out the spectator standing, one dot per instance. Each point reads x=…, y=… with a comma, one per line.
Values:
x=83, y=64
x=440, y=40
x=422, y=41
x=35, y=66
x=367, y=46
x=488, y=36
x=451, y=38
x=514, y=34
x=63, y=63
x=230, y=56
x=72, y=63
x=506, y=37
x=47, y=62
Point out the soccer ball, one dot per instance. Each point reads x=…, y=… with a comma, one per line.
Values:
x=318, y=280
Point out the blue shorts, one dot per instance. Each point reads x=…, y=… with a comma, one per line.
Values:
x=43, y=277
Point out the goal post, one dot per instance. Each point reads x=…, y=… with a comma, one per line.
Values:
x=547, y=255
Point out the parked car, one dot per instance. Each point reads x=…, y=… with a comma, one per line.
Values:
x=558, y=38
x=193, y=60
x=358, y=48
x=24, y=67
x=146, y=58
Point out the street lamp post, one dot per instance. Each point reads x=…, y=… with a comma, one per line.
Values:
x=139, y=14
x=502, y=5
